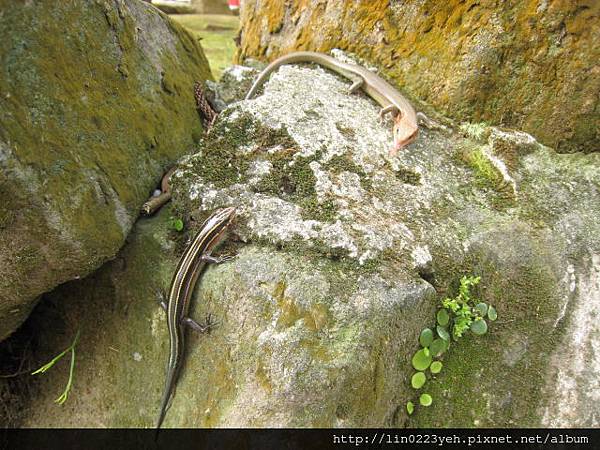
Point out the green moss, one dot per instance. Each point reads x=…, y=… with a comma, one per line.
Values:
x=484, y=170
x=13, y=202
x=487, y=176
x=477, y=131
x=468, y=392
x=227, y=163
x=344, y=163
x=408, y=176
x=304, y=177
x=290, y=178
x=89, y=118
x=324, y=211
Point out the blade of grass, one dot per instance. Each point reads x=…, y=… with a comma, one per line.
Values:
x=63, y=397
x=48, y=365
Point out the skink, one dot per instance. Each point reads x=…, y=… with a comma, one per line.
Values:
x=182, y=286
x=155, y=202
x=405, y=128
x=209, y=115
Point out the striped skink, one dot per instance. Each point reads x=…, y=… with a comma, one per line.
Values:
x=405, y=128
x=182, y=287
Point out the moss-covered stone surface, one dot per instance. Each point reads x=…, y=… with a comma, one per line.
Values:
x=276, y=347
x=97, y=101
x=529, y=64
x=343, y=256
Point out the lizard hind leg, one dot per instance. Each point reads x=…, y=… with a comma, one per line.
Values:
x=200, y=328
x=357, y=83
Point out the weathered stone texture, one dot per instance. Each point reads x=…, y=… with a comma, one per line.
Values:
x=531, y=65
x=343, y=256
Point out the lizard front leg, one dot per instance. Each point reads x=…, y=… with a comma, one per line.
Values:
x=388, y=109
x=161, y=299
x=429, y=123
x=188, y=321
x=216, y=259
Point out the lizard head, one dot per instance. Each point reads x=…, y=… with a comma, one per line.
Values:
x=404, y=132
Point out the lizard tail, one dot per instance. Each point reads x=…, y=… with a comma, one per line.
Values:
x=166, y=398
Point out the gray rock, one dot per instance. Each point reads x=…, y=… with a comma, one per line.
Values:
x=343, y=257
x=573, y=389
x=496, y=203
x=233, y=86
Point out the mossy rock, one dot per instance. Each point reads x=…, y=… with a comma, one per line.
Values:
x=97, y=102
x=321, y=311
x=274, y=336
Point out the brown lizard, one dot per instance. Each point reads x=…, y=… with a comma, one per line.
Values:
x=209, y=115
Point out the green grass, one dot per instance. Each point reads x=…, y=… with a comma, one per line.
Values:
x=63, y=397
x=216, y=32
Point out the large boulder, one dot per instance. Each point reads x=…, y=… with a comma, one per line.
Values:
x=97, y=101
x=343, y=256
x=525, y=64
